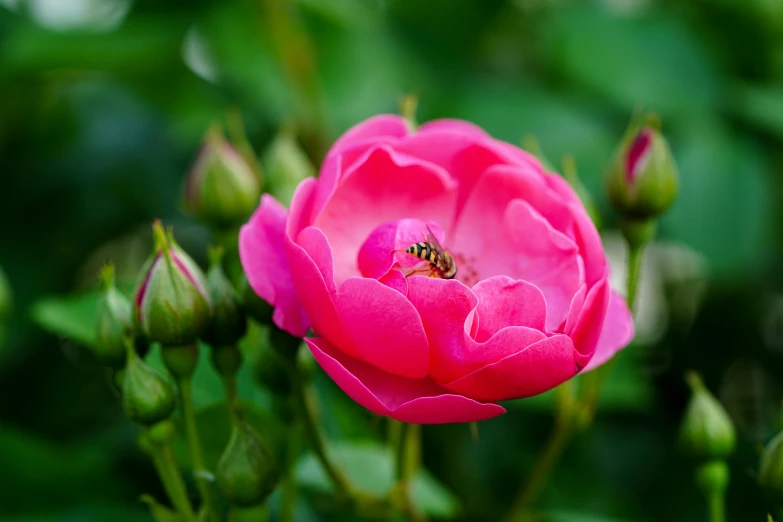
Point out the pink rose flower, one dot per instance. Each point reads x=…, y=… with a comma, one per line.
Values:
x=529, y=308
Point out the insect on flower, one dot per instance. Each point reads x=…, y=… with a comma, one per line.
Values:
x=441, y=264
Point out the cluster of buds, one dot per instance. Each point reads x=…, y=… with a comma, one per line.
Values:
x=176, y=306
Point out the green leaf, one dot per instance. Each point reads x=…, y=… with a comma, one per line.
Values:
x=214, y=426
x=70, y=316
x=158, y=511
x=369, y=466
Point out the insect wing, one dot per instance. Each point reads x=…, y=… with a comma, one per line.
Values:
x=434, y=243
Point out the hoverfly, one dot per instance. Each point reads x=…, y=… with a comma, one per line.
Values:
x=430, y=250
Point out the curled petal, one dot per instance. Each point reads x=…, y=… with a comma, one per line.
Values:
x=316, y=293
x=462, y=127
x=262, y=252
x=379, y=129
x=386, y=244
x=384, y=327
x=535, y=369
x=516, y=241
x=386, y=186
x=419, y=401
x=588, y=326
x=447, y=311
x=617, y=332
x=507, y=302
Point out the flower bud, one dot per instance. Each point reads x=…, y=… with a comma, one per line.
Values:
x=172, y=305
x=226, y=359
x=246, y=472
x=270, y=371
x=113, y=322
x=254, y=306
x=285, y=344
x=221, y=188
x=5, y=296
x=180, y=359
x=285, y=165
x=707, y=431
x=771, y=471
x=147, y=395
x=642, y=181
x=229, y=323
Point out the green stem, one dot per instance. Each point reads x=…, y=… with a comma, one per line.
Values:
x=200, y=473
x=407, y=460
x=166, y=466
x=634, y=271
x=289, y=493
x=716, y=507
x=344, y=489
x=542, y=469
x=232, y=395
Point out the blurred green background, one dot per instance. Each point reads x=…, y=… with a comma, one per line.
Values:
x=103, y=104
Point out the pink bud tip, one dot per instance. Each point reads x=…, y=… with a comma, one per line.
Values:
x=636, y=154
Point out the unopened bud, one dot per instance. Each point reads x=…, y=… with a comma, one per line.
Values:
x=246, y=472
x=707, y=431
x=114, y=322
x=285, y=165
x=147, y=395
x=229, y=322
x=642, y=181
x=172, y=305
x=254, y=306
x=771, y=471
x=221, y=189
x=226, y=360
x=180, y=359
x=270, y=371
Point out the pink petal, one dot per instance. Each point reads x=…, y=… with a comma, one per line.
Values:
x=585, y=234
x=328, y=177
x=447, y=311
x=380, y=128
x=516, y=241
x=457, y=126
x=316, y=294
x=507, y=302
x=301, y=207
x=396, y=280
x=386, y=186
x=462, y=155
x=262, y=252
x=575, y=309
x=617, y=333
x=384, y=327
x=419, y=401
x=386, y=244
x=587, y=329
x=535, y=369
